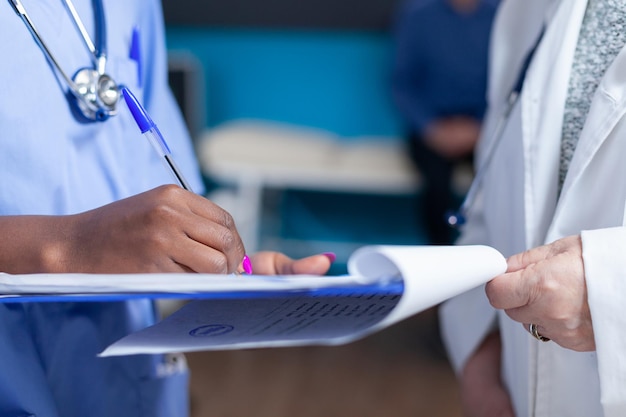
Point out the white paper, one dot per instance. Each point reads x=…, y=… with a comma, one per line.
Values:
x=430, y=275
x=64, y=284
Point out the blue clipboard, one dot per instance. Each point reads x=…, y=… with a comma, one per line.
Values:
x=390, y=288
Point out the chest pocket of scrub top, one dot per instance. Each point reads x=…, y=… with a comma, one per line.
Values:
x=125, y=71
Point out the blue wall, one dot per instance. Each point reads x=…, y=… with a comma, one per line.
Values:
x=335, y=80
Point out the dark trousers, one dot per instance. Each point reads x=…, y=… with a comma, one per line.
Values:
x=438, y=197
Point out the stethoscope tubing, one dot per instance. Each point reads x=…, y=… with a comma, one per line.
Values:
x=97, y=50
x=459, y=217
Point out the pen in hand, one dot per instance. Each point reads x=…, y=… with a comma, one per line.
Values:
x=151, y=131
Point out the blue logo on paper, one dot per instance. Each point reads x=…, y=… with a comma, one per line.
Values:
x=211, y=330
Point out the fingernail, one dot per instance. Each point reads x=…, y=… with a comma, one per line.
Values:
x=331, y=256
x=247, y=265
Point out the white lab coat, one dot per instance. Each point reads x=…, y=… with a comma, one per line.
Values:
x=518, y=208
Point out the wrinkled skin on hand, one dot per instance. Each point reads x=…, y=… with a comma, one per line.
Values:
x=546, y=286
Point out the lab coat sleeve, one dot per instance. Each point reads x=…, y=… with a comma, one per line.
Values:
x=605, y=274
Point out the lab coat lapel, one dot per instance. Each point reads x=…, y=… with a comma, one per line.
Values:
x=607, y=109
x=545, y=87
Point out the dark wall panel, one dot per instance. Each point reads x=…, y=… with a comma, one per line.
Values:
x=324, y=14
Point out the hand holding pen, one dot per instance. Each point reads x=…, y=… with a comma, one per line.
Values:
x=150, y=130
x=165, y=229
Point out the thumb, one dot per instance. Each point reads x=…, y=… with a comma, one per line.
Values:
x=312, y=265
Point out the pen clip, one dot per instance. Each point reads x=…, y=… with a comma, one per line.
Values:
x=135, y=54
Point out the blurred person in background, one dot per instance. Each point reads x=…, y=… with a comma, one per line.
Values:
x=439, y=86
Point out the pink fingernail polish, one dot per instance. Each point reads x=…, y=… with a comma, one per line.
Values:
x=247, y=265
x=331, y=256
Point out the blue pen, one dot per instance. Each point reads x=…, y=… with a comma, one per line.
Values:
x=150, y=131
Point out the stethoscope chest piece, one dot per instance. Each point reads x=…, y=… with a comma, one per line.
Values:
x=98, y=94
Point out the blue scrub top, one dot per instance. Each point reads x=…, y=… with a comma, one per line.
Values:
x=51, y=163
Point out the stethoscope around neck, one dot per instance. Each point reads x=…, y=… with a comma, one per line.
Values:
x=458, y=218
x=95, y=93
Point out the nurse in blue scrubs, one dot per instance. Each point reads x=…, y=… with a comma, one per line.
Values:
x=81, y=191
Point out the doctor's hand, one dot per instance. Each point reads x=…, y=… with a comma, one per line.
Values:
x=482, y=391
x=167, y=229
x=546, y=286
